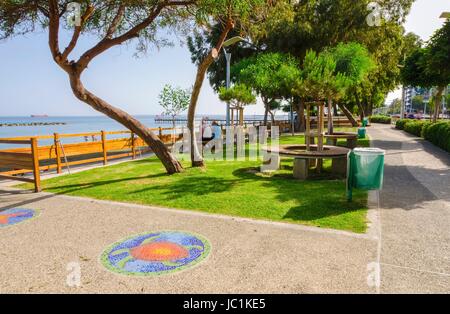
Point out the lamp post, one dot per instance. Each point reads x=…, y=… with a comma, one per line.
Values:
x=228, y=43
x=444, y=15
x=402, y=107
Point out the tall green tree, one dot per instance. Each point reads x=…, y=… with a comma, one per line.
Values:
x=394, y=106
x=417, y=102
x=270, y=75
x=428, y=67
x=353, y=65
x=174, y=101
x=327, y=76
x=299, y=26
x=238, y=96
x=227, y=13
x=114, y=23
x=202, y=39
x=437, y=59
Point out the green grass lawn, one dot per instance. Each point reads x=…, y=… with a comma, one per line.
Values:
x=231, y=188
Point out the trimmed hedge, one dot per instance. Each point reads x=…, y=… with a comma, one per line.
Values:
x=438, y=134
x=400, y=124
x=415, y=127
x=380, y=119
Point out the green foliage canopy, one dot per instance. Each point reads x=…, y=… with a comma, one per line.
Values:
x=438, y=56
x=331, y=73
x=238, y=95
x=271, y=75
x=174, y=100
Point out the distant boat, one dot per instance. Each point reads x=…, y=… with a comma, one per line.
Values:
x=39, y=116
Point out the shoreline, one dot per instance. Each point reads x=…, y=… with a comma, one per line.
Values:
x=31, y=124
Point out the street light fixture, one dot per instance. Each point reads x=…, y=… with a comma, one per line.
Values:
x=445, y=15
x=228, y=43
x=232, y=41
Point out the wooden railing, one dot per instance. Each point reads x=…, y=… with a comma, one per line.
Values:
x=15, y=162
x=27, y=161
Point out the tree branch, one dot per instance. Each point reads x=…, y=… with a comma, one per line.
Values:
x=115, y=22
x=53, y=32
x=77, y=32
x=107, y=43
x=175, y=3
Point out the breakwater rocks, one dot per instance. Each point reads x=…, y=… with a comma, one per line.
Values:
x=30, y=123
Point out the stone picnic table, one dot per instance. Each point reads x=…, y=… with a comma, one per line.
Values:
x=303, y=158
x=351, y=137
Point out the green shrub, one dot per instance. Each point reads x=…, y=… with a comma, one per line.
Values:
x=400, y=124
x=438, y=134
x=380, y=119
x=425, y=128
x=415, y=127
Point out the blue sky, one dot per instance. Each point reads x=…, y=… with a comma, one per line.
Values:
x=30, y=83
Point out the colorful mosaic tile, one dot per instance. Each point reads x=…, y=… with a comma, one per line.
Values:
x=14, y=216
x=155, y=253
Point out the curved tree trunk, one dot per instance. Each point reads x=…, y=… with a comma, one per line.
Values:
x=161, y=151
x=272, y=117
x=196, y=158
x=348, y=114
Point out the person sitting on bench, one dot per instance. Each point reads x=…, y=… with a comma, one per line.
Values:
x=208, y=134
x=216, y=130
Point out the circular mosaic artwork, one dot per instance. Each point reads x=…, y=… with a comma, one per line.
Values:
x=155, y=253
x=15, y=215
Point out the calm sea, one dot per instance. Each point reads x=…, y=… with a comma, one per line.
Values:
x=77, y=125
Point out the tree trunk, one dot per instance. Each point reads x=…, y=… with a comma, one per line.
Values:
x=272, y=117
x=266, y=111
x=349, y=115
x=330, y=116
x=369, y=109
x=161, y=151
x=360, y=107
x=437, y=103
x=196, y=158
x=300, y=110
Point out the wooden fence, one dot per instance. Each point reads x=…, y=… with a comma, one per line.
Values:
x=97, y=147
x=32, y=158
x=25, y=160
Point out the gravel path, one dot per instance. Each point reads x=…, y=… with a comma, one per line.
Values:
x=247, y=256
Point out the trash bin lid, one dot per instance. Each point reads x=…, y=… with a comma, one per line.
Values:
x=368, y=151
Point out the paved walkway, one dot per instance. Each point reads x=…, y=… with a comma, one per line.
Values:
x=248, y=256
x=415, y=213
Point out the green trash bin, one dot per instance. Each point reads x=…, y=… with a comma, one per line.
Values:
x=361, y=132
x=365, y=122
x=365, y=169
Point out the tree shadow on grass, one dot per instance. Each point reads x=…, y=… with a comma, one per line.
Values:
x=318, y=198
x=328, y=206
x=190, y=186
x=68, y=188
